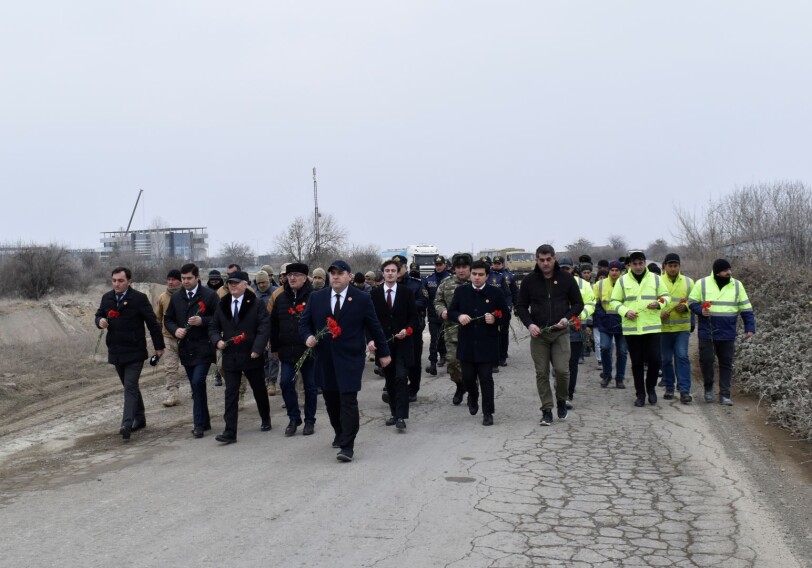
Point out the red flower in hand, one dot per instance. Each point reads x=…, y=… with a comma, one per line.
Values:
x=113, y=314
x=300, y=308
x=497, y=314
x=661, y=300
x=291, y=311
x=706, y=305
x=576, y=323
x=201, y=307
x=239, y=338
x=409, y=331
x=333, y=327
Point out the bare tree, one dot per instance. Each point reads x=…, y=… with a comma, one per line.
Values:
x=581, y=246
x=35, y=271
x=298, y=241
x=237, y=253
x=657, y=250
x=618, y=244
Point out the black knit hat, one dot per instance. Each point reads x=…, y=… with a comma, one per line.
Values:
x=671, y=257
x=720, y=265
x=174, y=273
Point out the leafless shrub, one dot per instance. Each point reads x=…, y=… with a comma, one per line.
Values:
x=34, y=271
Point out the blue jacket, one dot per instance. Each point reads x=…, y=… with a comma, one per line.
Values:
x=429, y=291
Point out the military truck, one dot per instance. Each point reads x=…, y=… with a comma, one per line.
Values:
x=519, y=261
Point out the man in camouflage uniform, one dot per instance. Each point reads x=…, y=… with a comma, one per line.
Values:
x=442, y=300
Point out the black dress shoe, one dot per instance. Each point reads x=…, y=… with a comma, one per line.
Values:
x=344, y=456
x=391, y=421
x=197, y=432
x=385, y=396
x=652, y=398
x=619, y=385
x=293, y=425
x=400, y=424
x=266, y=426
x=495, y=369
x=473, y=406
x=412, y=398
x=225, y=439
x=125, y=432
x=487, y=420
x=308, y=429
x=335, y=442
x=503, y=362
x=640, y=401
x=432, y=369
x=138, y=426
x=457, y=400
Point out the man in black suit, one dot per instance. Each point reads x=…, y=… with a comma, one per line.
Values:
x=396, y=310
x=339, y=361
x=473, y=307
x=187, y=318
x=123, y=312
x=240, y=330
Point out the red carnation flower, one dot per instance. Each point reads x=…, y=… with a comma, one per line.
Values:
x=300, y=308
x=291, y=311
x=497, y=314
x=409, y=331
x=706, y=305
x=113, y=314
x=661, y=300
x=201, y=307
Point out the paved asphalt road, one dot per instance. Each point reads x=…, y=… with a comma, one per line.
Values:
x=610, y=486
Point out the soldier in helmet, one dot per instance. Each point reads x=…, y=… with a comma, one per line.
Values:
x=442, y=301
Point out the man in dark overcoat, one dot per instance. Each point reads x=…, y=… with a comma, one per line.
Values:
x=477, y=307
x=396, y=310
x=123, y=312
x=240, y=330
x=339, y=362
x=187, y=318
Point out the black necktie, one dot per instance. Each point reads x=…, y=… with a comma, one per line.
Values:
x=337, y=306
x=389, y=299
x=118, y=297
x=191, y=294
x=236, y=310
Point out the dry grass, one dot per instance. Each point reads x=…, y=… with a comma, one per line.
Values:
x=776, y=363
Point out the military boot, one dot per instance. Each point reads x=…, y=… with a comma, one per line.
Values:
x=441, y=362
x=273, y=390
x=172, y=399
x=432, y=369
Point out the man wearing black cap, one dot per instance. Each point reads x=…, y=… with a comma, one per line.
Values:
x=610, y=327
x=339, y=360
x=442, y=301
x=124, y=312
x=241, y=315
x=718, y=299
x=638, y=297
x=288, y=345
x=678, y=323
x=429, y=291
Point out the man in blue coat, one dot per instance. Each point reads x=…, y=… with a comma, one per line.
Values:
x=339, y=361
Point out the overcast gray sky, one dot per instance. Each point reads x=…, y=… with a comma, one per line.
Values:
x=463, y=124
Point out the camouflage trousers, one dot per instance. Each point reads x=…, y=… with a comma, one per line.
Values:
x=452, y=365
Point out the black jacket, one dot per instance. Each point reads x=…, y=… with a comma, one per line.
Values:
x=544, y=302
x=404, y=314
x=285, y=338
x=196, y=347
x=126, y=339
x=253, y=320
x=478, y=342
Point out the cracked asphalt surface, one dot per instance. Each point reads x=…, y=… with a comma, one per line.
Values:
x=611, y=485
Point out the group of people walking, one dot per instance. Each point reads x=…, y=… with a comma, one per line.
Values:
x=322, y=327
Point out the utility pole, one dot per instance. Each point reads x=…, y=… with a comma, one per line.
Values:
x=316, y=223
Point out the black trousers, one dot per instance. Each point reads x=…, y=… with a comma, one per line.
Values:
x=484, y=372
x=342, y=409
x=256, y=379
x=576, y=348
x=504, y=335
x=129, y=374
x=415, y=372
x=723, y=351
x=644, y=350
x=397, y=386
x=437, y=341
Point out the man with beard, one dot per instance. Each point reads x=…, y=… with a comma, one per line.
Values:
x=548, y=299
x=677, y=327
x=288, y=346
x=124, y=312
x=319, y=278
x=718, y=299
x=610, y=328
x=188, y=317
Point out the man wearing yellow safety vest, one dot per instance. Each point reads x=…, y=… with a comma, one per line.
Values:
x=638, y=297
x=610, y=325
x=718, y=300
x=576, y=335
x=678, y=323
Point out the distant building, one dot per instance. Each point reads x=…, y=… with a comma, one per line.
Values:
x=187, y=243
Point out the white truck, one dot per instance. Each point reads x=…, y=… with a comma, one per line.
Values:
x=422, y=255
